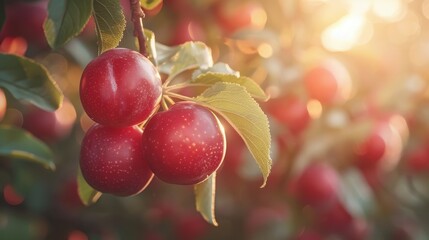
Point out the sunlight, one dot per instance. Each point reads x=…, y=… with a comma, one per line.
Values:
x=389, y=10
x=346, y=33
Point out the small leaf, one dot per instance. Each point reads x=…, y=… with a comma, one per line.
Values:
x=205, y=198
x=87, y=194
x=110, y=23
x=18, y=144
x=189, y=55
x=218, y=67
x=234, y=103
x=150, y=4
x=28, y=80
x=164, y=53
x=150, y=46
x=66, y=19
x=251, y=86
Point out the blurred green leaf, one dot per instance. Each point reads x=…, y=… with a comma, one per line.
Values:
x=355, y=193
x=175, y=60
x=150, y=46
x=318, y=141
x=87, y=194
x=110, y=23
x=205, y=198
x=164, y=53
x=16, y=143
x=28, y=80
x=235, y=104
x=150, y=4
x=251, y=86
x=66, y=19
x=17, y=226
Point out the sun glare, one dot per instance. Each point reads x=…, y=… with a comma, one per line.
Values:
x=346, y=33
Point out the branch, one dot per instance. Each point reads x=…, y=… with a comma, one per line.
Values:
x=137, y=15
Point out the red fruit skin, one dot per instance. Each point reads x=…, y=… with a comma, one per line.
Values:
x=68, y=195
x=112, y=161
x=120, y=88
x=185, y=144
x=187, y=30
x=328, y=82
x=289, y=111
x=89, y=29
x=25, y=19
x=321, y=85
x=3, y=104
x=153, y=235
x=126, y=8
x=417, y=161
x=14, y=45
x=232, y=16
x=335, y=219
x=191, y=227
x=370, y=151
x=234, y=157
x=374, y=178
x=50, y=126
x=357, y=230
x=308, y=235
x=317, y=186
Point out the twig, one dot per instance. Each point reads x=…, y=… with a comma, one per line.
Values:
x=137, y=15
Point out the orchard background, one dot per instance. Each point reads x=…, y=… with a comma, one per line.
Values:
x=342, y=86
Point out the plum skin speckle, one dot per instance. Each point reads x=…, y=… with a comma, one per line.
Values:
x=112, y=161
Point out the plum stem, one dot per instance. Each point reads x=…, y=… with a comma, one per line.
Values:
x=137, y=16
x=179, y=96
x=169, y=100
x=186, y=84
x=164, y=104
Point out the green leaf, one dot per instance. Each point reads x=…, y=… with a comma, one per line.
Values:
x=66, y=19
x=16, y=143
x=251, y=86
x=150, y=4
x=150, y=46
x=235, y=104
x=205, y=198
x=28, y=80
x=164, y=53
x=110, y=23
x=87, y=194
x=189, y=55
x=218, y=67
x=355, y=194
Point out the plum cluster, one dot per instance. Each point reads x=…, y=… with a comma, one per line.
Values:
x=130, y=142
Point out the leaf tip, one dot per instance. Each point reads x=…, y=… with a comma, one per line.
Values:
x=95, y=198
x=214, y=223
x=211, y=220
x=51, y=166
x=266, y=173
